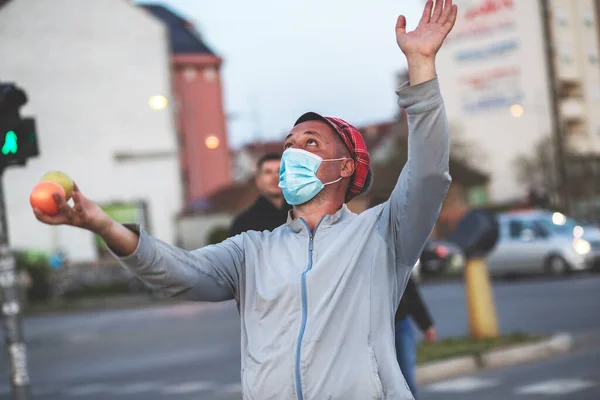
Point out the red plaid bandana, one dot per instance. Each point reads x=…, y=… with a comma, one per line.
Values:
x=358, y=151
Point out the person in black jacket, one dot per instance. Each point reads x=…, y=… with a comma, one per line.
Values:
x=411, y=307
x=270, y=209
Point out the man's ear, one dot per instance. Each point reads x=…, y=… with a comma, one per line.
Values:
x=347, y=168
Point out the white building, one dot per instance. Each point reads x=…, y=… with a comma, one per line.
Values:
x=89, y=69
x=495, y=80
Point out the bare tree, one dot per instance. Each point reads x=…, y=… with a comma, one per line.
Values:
x=537, y=170
x=463, y=150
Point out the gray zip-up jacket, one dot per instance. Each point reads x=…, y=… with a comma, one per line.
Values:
x=317, y=308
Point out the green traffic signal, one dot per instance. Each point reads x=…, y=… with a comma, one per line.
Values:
x=10, y=143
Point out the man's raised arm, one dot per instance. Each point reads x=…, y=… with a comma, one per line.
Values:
x=410, y=214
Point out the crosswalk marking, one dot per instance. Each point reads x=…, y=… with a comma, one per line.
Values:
x=138, y=388
x=231, y=388
x=556, y=387
x=190, y=387
x=462, y=385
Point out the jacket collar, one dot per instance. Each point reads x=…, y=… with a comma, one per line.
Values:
x=298, y=224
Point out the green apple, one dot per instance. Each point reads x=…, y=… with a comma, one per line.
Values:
x=62, y=179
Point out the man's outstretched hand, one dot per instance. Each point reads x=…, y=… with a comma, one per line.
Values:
x=421, y=45
x=83, y=214
x=88, y=215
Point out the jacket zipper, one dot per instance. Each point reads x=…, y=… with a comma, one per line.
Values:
x=299, y=393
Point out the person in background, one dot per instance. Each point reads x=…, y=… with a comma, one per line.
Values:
x=411, y=307
x=270, y=209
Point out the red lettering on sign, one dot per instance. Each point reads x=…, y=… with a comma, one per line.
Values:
x=488, y=7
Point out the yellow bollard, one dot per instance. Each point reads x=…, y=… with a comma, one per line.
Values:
x=483, y=322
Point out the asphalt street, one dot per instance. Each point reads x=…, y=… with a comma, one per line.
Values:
x=573, y=376
x=191, y=350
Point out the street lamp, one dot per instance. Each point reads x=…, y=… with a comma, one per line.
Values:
x=212, y=142
x=516, y=110
x=157, y=102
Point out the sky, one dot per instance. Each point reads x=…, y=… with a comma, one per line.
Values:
x=283, y=58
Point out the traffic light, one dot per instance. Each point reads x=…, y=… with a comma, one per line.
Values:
x=18, y=137
x=18, y=141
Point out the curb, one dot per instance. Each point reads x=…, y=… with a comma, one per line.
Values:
x=514, y=355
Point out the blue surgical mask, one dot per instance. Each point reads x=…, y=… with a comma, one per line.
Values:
x=298, y=175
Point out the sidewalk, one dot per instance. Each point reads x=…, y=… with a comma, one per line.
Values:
x=514, y=355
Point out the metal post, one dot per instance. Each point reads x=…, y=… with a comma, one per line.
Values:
x=11, y=310
x=558, y=126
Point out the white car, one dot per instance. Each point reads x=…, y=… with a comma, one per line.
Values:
x=543, y=241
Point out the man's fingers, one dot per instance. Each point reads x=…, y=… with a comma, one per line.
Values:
x=48, y=219
x=446, y=12
x=63, y=206
x=437, y=11
x=426, y=12
x=78, y=208
x=77, y=201
x=401, y=25
x=449, y=24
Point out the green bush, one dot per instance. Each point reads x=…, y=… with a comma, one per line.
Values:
x=38, y=268
x=217, y=235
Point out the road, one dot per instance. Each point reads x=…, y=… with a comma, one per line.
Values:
x=191, y=350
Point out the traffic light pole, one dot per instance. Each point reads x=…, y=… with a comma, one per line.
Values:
x=12, y=323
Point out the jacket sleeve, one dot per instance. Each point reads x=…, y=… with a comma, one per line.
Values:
x=417, y=308
x=408, y=217
x=211, y=273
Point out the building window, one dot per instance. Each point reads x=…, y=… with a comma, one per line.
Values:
x=588, y=19
x=210, y=74
x=593, y=56
x=566, y=57
x=189, y=74
x=561, y=17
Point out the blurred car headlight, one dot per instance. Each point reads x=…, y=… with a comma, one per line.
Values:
x=581, y=246
x=457, y=261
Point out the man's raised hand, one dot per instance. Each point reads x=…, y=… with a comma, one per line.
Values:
x=425, y=41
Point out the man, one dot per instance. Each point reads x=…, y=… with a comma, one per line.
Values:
x=270, y=209
x=316, y=296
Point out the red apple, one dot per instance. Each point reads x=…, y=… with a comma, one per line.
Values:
x=42, y=197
